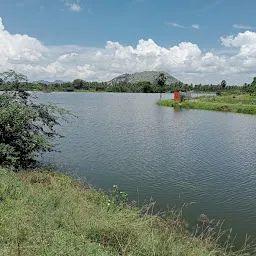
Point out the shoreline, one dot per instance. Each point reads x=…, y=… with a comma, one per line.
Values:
x=47, y=211
x=243, y=104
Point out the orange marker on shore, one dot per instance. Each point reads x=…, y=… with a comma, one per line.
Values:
x=177, y=96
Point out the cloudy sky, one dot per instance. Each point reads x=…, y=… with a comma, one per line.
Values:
x=197, y=41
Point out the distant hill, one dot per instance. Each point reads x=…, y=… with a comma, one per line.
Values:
x=149, y=76
x=48, y=83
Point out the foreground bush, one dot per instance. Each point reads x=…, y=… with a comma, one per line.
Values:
x=26, y=127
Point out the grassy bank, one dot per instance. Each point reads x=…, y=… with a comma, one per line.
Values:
x=245, y=104
x=44, y=213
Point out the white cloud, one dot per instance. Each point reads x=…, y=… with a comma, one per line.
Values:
x=240, y=26
x=186, y=61
x=75, y=7
x=1, y=24
x=17, y=49
x=175, y=25
x=196, y=26
x=242, y=39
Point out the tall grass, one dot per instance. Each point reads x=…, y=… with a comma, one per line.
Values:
x=44, y=213
x=231, y=99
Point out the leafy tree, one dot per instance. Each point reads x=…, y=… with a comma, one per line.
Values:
x=161, y=82
x=147, y=88
x=251, y=88
x=26, y=127
x=223, y=84
x=253, y=84
x=78, y=83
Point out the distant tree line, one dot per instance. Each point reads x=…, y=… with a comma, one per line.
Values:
x=139, y=87
x=81, y=85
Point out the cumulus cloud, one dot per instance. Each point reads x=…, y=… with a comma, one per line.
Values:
x=242, y=39
x=186, y=61
x=196, y=26
x=19, y=49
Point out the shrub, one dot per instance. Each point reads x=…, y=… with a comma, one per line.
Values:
x=26, y=127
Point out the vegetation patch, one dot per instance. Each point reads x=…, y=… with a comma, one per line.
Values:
x=243, y=103
x=45, y=213
x=27, y=128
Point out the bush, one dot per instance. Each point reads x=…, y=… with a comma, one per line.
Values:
x=26, y=127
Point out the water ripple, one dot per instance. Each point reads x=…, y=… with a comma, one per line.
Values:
x=177, y=157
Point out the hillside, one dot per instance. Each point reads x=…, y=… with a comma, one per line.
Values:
x=48, y=83
x=149, y=76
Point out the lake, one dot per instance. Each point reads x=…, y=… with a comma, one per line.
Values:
x=206, y=159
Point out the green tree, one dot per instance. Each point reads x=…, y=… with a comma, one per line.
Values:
x=223, y=84
x=253, y=84
x=251, y=88
x=147, y=88
x=26, y=127
x=78, y=83
x=161, y=82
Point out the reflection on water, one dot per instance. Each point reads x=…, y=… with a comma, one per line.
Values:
x=176, y=107
x=208, y=158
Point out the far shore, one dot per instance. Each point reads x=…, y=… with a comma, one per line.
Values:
x=243, y=103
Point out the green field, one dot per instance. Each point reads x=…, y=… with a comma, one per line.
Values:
x=44, y=213
x=242, y=103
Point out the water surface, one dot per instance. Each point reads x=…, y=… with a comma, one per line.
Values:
x=190, y=156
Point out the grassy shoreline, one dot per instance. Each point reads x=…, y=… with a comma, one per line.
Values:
x=244, y=104
x=45, y=213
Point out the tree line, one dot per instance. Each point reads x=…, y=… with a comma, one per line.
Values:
x=139, y=87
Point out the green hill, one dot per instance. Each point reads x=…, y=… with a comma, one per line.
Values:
x=149, y=76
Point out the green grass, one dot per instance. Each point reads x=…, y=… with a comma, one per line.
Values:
x=44, y=213
x=231, y=99
x=245, y=104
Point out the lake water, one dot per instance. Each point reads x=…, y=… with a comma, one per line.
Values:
x=189, y=156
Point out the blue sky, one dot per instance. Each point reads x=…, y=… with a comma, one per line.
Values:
x=127, y=21
x=89, y=24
